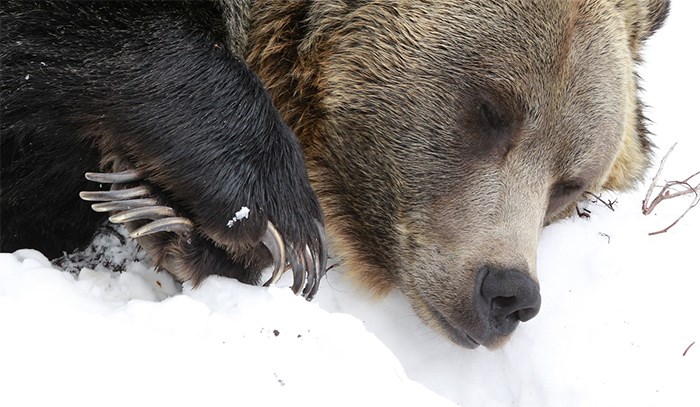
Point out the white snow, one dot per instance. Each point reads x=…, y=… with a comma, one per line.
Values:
x=107, y=339
x=238, y=216
x=619, y=310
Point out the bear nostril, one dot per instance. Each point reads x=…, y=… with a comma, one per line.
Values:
x=527, y=314
x=504, y=304
x=507, y=296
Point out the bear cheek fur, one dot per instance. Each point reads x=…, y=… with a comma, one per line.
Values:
x=641, y=19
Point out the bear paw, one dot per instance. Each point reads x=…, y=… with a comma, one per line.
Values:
x=135, y=205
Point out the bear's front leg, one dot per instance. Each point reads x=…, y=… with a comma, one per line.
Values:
x=208, y=178
x=204, y=173
x=202, y=169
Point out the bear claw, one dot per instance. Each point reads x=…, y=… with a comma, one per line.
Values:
x=136, y=204
x=315, y=265
x=175, y=224
x=312, y=270
x=304, y=265
x=275, y=244
x=145, y=212
x=114, y=177
x=124, y=205
x=115, y=195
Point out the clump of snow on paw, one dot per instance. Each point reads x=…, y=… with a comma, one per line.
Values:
x=239, y=216
x=111, y=248
x=114, y=267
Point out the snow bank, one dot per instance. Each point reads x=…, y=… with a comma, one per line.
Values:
x=105, y=339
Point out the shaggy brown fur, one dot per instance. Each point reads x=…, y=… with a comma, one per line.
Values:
x=418, y=189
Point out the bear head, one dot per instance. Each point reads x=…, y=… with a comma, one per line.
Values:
x=441, y=136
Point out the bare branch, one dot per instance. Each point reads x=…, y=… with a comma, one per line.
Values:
x=583, y=213
x=645, y=209
x=688, y=189
x=688, y=348
x=692, y=205
x=668, y=191
x=608, y=203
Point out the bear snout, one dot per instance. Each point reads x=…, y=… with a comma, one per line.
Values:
x=500, y=299
x=505, y=297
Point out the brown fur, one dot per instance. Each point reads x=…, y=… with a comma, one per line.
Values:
x=385, y=97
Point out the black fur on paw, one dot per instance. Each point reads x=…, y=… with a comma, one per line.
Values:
x=186, y=134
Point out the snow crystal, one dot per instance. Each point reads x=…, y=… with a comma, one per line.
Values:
x=240, y=215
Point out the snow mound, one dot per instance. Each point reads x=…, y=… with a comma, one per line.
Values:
x=107, y=338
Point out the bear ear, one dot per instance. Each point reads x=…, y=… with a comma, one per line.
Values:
x=657, y=11
x=643, y=18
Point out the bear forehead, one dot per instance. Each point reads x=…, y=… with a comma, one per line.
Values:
x=566, y=62
x=517, y=45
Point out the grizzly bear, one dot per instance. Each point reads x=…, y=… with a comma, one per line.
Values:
x=439, y=137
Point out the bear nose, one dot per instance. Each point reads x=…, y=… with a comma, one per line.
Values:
x=507, y=297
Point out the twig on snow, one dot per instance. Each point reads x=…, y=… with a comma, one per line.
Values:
x=688, y=348
x=583, y=213
x=608, y=203
x=670, y=190
x=593, y=198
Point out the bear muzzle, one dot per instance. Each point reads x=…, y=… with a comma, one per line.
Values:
x=502, y=298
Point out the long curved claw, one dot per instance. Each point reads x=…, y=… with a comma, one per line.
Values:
x=275, y=244
x=323, y=244
x=134, y=204
x=298, y=268
x=174, y=224
x=311, y=268
x=320, y=263
x=146, y=212
x=125, y=205
x=114, y=177
x=115, y=195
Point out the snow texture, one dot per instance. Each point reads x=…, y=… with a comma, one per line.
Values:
x=240, y=215
x=619, y=313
